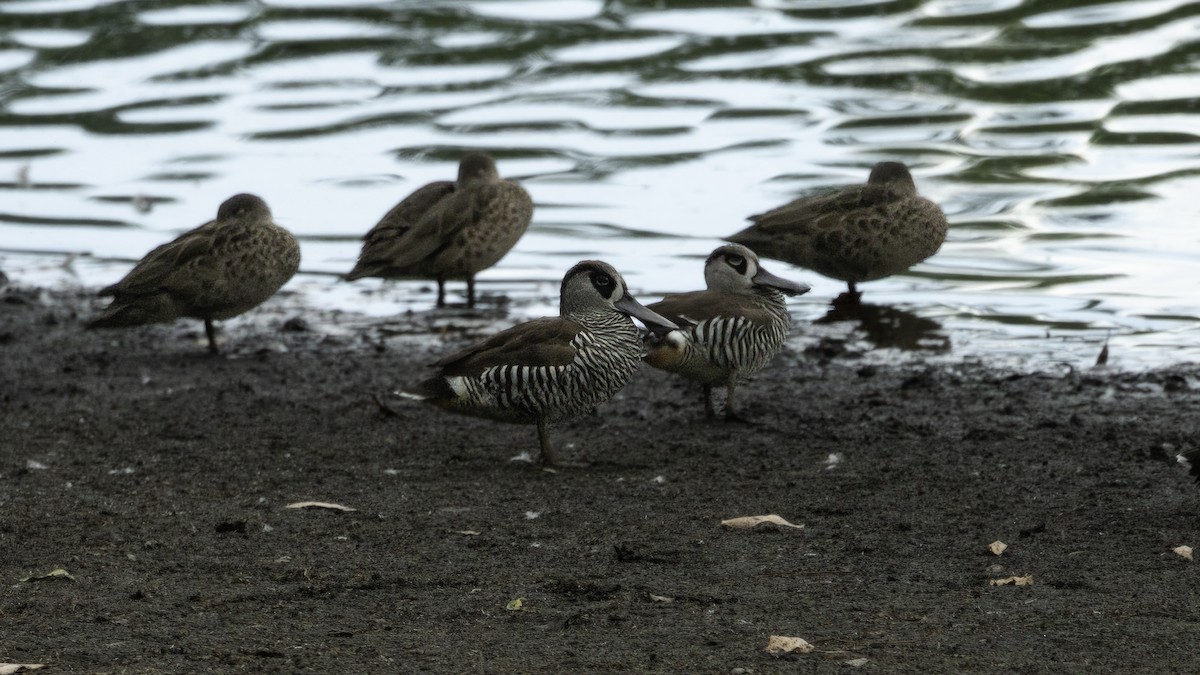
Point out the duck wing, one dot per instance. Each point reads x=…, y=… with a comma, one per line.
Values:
x=547, y=342
x=815, y=213
x=152, y=274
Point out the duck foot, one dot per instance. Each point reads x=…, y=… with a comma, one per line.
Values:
x=848, y=299
x=384, y=408
x=735, y=417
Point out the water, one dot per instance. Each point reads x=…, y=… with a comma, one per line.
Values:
x=1061, y=138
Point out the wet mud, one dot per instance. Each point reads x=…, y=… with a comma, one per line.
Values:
x=159, y=478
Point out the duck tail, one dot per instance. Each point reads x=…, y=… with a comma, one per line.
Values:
x=433, y=390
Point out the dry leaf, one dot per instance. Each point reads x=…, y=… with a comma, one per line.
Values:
x=997, y=547
x=660, y=598
x=857, y=663
x=57, y=573
x=747, y=522
x=1184, y=551
x=7, y=668
x=778, y=645
x=515, y=605
x=1026, y=580
x=319, y=505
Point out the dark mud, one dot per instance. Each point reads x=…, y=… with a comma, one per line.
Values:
x=157, y=476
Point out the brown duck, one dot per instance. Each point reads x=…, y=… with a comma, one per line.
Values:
x=218, y=270
x=448, y=230
x=728, y=332
x=549, y=369
x=856, y=233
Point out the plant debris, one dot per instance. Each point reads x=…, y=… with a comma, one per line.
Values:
x=778, y=645
x=747, y=522
x=56, y=573
x=7, y=668
x=319, y=505
x=1026, y=580
x=997, y=547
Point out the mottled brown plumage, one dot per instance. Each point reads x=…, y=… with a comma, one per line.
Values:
x=218, y=270
x=448, y=230
x=553, y=368
x=854, y=233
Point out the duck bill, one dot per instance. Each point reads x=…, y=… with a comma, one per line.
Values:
x=765, y=278
x=657, y=324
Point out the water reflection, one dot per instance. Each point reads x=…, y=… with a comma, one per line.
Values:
x=1060, y=139
x=888, y=327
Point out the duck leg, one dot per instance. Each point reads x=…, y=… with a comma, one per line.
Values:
x=851, y=298
x=212, y=337
x=548, y=458
x=731, y=414
x=471, y=291
x=441, y=292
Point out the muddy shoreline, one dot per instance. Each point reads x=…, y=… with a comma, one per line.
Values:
x=158, y=477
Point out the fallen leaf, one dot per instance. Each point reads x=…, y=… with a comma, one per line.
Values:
x=515, y=605
x=747, y=522
x=997, y=547
x=660, y=598
x=778, y=645
x=1026, y=580
x=1184, y=551
x=57, y=573
x=319, y=505
x=857, y=663
x=469, y=533
x=7, y=668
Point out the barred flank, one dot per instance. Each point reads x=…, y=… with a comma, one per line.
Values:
x=608, y=352
x=737, y=344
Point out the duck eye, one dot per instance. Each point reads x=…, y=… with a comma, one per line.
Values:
x=735, y=260
x=601, y=280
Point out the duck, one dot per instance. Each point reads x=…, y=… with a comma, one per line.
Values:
x=550, y=369
x=854, y=233
x=216, y=271
x=448, y=229
x=728, y=332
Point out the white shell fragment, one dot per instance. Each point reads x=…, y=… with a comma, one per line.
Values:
x=747, y=522
x=1026, y=580
x=1183, y=551
x=319, y=505
x=660, y=598
x=778, y=645
x=997, y=547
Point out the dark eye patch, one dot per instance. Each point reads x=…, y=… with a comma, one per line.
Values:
x=737, y=262
x=604, y=284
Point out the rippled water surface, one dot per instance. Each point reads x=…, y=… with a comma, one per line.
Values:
x=1061, y=137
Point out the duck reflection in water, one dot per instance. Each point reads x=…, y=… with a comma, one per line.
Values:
x=891, y=327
